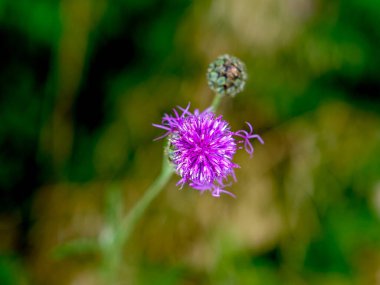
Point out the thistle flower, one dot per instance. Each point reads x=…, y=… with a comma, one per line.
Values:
x=201, y=147
x=226, y=75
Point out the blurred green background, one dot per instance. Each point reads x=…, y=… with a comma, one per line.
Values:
x=81, y=81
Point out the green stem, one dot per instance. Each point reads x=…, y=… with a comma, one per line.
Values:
x=216, y=102
x=128, y=224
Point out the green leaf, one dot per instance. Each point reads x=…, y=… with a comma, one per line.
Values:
x=75, y=248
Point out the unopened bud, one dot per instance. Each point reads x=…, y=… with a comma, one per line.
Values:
x=226, y=75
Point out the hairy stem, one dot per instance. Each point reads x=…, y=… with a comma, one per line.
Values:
x=129, y=223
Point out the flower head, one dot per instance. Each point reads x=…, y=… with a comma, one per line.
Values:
x=201, y=147
x=226, y=75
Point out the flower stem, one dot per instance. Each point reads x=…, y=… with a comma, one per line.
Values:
x=128, y=224
x=216, y=102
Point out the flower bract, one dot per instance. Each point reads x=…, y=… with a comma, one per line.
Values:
x=227, y=75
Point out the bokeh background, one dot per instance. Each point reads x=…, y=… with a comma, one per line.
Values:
x=81, y=82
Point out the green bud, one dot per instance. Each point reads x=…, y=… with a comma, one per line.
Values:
x=226, y=75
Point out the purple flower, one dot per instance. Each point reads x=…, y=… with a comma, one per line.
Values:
x=201, y=147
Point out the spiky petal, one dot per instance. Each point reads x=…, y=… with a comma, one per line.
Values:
x=201, y=147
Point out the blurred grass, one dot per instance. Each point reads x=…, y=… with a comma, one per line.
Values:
x=80, y=85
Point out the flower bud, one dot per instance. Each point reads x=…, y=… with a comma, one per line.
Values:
x=226, y=75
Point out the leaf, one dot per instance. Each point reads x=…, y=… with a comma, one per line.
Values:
x=76, y=248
